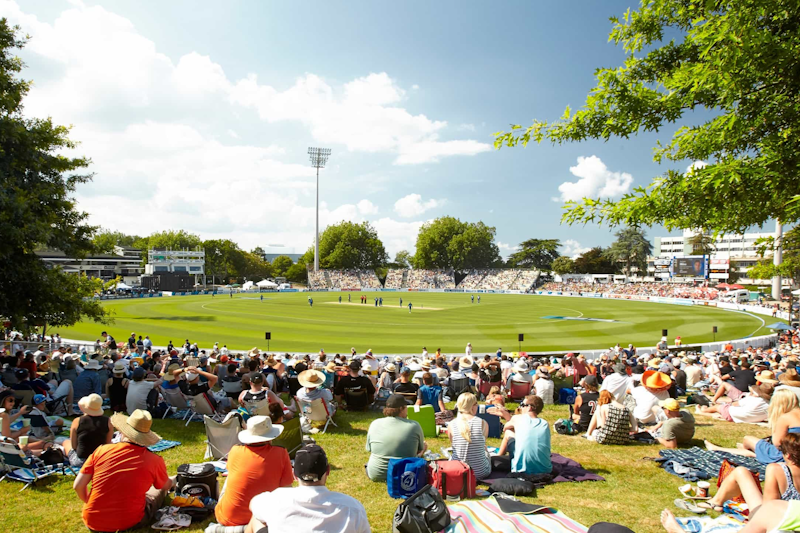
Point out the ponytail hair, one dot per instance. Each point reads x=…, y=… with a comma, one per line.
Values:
x=465, y=403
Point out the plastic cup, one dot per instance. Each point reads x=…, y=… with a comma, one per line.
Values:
x=26, y=422
x=23, y=441
x=702, y=489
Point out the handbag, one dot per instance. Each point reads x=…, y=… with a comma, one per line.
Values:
x=424, y=512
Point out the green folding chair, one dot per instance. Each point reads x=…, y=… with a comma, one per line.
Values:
x=425, y=417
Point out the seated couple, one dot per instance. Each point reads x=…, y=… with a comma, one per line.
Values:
x=527, y=437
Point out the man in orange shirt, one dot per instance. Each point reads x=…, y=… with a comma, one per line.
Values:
x=129, y=482
x=253, y=468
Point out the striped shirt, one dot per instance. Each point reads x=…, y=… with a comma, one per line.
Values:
x=473, y=453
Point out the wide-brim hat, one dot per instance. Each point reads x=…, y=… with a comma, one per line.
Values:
x=521, y=367
x=391, y=368
x=119, y=369
x=656, y=381
x=330, y=367
x=763, y=390
x=260, y=429
x=766, y=376
x=91, y=405
x=92, y=364
x=136, y=427
x=168, y=375
x=311, y=378
x=790, y=378
x=466, y=362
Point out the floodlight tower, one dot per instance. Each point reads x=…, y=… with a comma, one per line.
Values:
x=318, y=157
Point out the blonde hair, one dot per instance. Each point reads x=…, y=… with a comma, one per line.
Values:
x=465, y=403
x=494, y=390
x=782, y=402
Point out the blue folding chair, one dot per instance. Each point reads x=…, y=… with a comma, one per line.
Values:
x=19, y=467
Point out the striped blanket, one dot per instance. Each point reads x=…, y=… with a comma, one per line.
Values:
x=484, y=516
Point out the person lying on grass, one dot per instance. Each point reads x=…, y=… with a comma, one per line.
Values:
x=774, y=516
x=750, y=409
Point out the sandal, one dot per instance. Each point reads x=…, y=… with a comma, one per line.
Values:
x=709, y=506
x=689, y=506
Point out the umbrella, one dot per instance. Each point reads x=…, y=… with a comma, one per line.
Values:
x=796, y=292
x=780, y=326
x=735, y=286
x=723, y=286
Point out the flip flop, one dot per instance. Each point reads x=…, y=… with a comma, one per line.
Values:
x=709, y=506
x=688, y=506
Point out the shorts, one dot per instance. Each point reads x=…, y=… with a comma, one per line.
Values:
x=767, y=453
x=734, y=394
x=724, y=411
x=74, y=460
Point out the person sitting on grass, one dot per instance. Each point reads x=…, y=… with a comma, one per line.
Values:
x=773, y=517
x=313, y=382
x=257, y=393
x=781, y=480
x=117, y=388
x=543, y=385
x=355, y=383
x=129, y=482
x=88, y=381
x=88, y=431
x=46, y=432
x=612, y=422
x=495, y=397
x=386, y=380
x=468, y=436
x=405, y=385
x=527, y=437
x=310, y=506
x=735, y=384
x=678, y=428
x=193, y=387
x=430, y=394
x=392, y=437
x=586, y=403
x=783, y=418
x=750, y=409
x=654, y=389
x=618, y=383
x=254, y=467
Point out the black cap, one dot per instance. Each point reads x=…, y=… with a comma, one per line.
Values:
x=257, y=378
x=590, y=380
x=355, y=366
x=139, y=374
x=396, y=401
x=310, y=463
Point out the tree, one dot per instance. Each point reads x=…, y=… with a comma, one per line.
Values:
x=170, y=240
x=594, y=261
x=104, y=241
x=563, y=265
x=255, y=267
x=259, y=251
x=632, y=249
x=535, y=253
x=349, y=245
x=37, y=208
x=449, y=243
x=702, y=244
x=297, y=272
x=728, y=71
x=403, y=259
x=281, y=264
x=789, y=266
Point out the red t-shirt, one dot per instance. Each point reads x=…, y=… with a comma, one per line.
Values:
x=121, y=475
x=251, y=471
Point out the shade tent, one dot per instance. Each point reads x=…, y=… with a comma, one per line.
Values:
x=248, y=285
x=780, y=326
x=267, y=284
x=796, y=292
x=123, y=287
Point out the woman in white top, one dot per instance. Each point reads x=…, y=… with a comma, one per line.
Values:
x=468, y=436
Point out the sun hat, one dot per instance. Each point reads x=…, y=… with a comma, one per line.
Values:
x=521, y=367
x=790, y=378
x=670, y=405
x=168, y=375
x=466, y=361
x=93, y=364
x=311, y=378
x=426, y=365
x=391, y=368
x=331, y=366
x=260, y=429
x=310, y=463
x=656, y=381
x=763, y=390
x=766, y=377
x=91, y=405
x=119, y=368
x=136, y=427
x=590, y=380
x=398, y=359
x=39, y=398
x=620, y=368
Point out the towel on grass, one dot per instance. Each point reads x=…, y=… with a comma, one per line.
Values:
x=564, y=470
x=182, y=414
x=706, y=524
x=163, y=444
x=697, y=463
x=485, y=516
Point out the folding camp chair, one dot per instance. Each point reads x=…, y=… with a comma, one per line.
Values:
x=222, y=436
x=425, y=417
x=176, y=400
x=19, y=467
x=232, y=388
x=410, y=397
x=291, y=437
x=317, y=411
x=356, y=399
x=493, y=421
x=258, y=408
x=519, y=390
x=201, y=405
x=457, y=387
x=485, y=386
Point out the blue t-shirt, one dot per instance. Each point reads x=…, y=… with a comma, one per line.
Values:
x=531, y=446
x=430, y=394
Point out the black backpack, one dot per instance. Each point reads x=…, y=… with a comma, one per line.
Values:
x=424, y=512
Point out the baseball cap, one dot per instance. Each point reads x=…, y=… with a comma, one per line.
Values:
x=670, y=404
x=39, y=398
x=310, y=463
x=355, y=366
x=405, y=370
x=139, y=374
x=590, y=380
x=396, y=401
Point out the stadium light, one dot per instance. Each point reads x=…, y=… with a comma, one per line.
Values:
x=318, y=157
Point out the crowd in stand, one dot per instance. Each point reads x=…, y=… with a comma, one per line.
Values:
x=619, y=397
x=344, y=279
x=394, y=278
x=666, y=290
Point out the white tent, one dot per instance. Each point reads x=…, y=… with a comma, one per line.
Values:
x=267, y=284
x=247, y=286
x=123, y=286
x=796, y=292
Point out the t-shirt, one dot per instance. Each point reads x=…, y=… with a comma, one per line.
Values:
x=679, y=429
x=121, y=475
x=694, y=374
x=617, y=384
x=406, y=388
x=531, y=446
x=251, y=471
x=743, y=379
x=137, y=395
x=751, y=410
x=430, y=395
x=354, y=383
x=645, y=401
x=309, y=508
x=544, y=388
x=680, y=379
x=391, y=437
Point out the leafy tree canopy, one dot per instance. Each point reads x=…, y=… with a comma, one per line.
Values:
x=594, y=261
x=37, y=208
x=789, y=267
x=349, y=245
x=104, y=241
x=631, y=249
x=535, y=253
x=170, y=239
x=281, y=264
x=403, y=259
x=563, y=265
x=731, y=74
x=448, y=242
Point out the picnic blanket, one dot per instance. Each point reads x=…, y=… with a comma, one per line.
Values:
x=706, y=524
x=564, y=470
x=183, y=413
x=485, y=516
x=163, y=444
x=697, y=463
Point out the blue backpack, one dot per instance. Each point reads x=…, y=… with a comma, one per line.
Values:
x=406, y=477
x=567, y=396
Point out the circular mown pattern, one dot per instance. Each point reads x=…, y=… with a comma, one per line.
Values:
x=437, y=320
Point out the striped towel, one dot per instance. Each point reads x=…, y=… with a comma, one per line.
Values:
x=484, y=516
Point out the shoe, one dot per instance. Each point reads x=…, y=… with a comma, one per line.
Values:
x=688, y=506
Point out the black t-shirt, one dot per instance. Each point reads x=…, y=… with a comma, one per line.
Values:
x=725, y=370
x=588, y=406
x=743, y=379
x=196, y=389
x=680, y=379
x=112, y=343
x=354, y=383
x=405, y=388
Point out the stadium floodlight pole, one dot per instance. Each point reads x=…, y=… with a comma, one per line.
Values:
x=318, y=157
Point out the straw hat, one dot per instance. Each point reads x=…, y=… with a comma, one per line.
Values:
x=466, y=362
x=91, y=405
x=426, y=365
x=330, y=367
x=260, y=429
x=656, y=381
x=168, y=375
x=790, y=378
x=766, y=377
x=119, y=368
x=311, y=378
x=136, y=427
x=391, y=368
x=93, y=364
x=763, y=390
x=521, y=367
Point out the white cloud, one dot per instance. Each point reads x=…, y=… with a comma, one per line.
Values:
x=415, y=87
x=573, y=249
x=412, y=205
x=365, y=207
x=595, y=181
x=466, y=127
x=506, y=249
x=397, y=235
x=695, y=165
x=233, y=134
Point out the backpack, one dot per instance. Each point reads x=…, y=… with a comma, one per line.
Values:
x=566, y=426
x=423, y=512
x=405, y=477
x=452, y=478
x=198, y=480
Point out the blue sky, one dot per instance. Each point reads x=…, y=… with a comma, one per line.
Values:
x=198, y=115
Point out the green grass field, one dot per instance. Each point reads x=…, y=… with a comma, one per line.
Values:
x=634, y=493
x=437, y=320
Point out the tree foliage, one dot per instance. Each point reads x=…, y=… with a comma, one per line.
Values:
x=37, y=209
x=730, y=73
x=449, y=243
x=349, y=245
x=226, y=261
x=535, y=253
x=281, y=264
x=104, y=241
x=594, y=261
x=170, y=239
x=631, y=249
x=789, y=267
x=404, y=259
x=702, y=244
x=563, y=265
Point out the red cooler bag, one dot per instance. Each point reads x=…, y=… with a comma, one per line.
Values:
x=452, y=478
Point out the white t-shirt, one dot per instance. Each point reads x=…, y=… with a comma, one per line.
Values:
x=751, y=410
x=295, y=509
x=645, y=401
x=617, y=384
x=694, y=374
x=468, y=351
x=543, y=388
x=137, y=395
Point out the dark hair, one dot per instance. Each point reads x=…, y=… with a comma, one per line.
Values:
x=253, y=365
x=427, y=378
x=232, y=368
x=790, y=447
x=536, y=404
x=392, y=411
x=275, y=412
x=475, y=367
x=257, y=378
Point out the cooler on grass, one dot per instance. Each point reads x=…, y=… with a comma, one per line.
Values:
x=426, y=418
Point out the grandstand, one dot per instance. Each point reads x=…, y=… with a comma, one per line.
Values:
x=420, y=278
x=499, y=279
x=395, y=278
